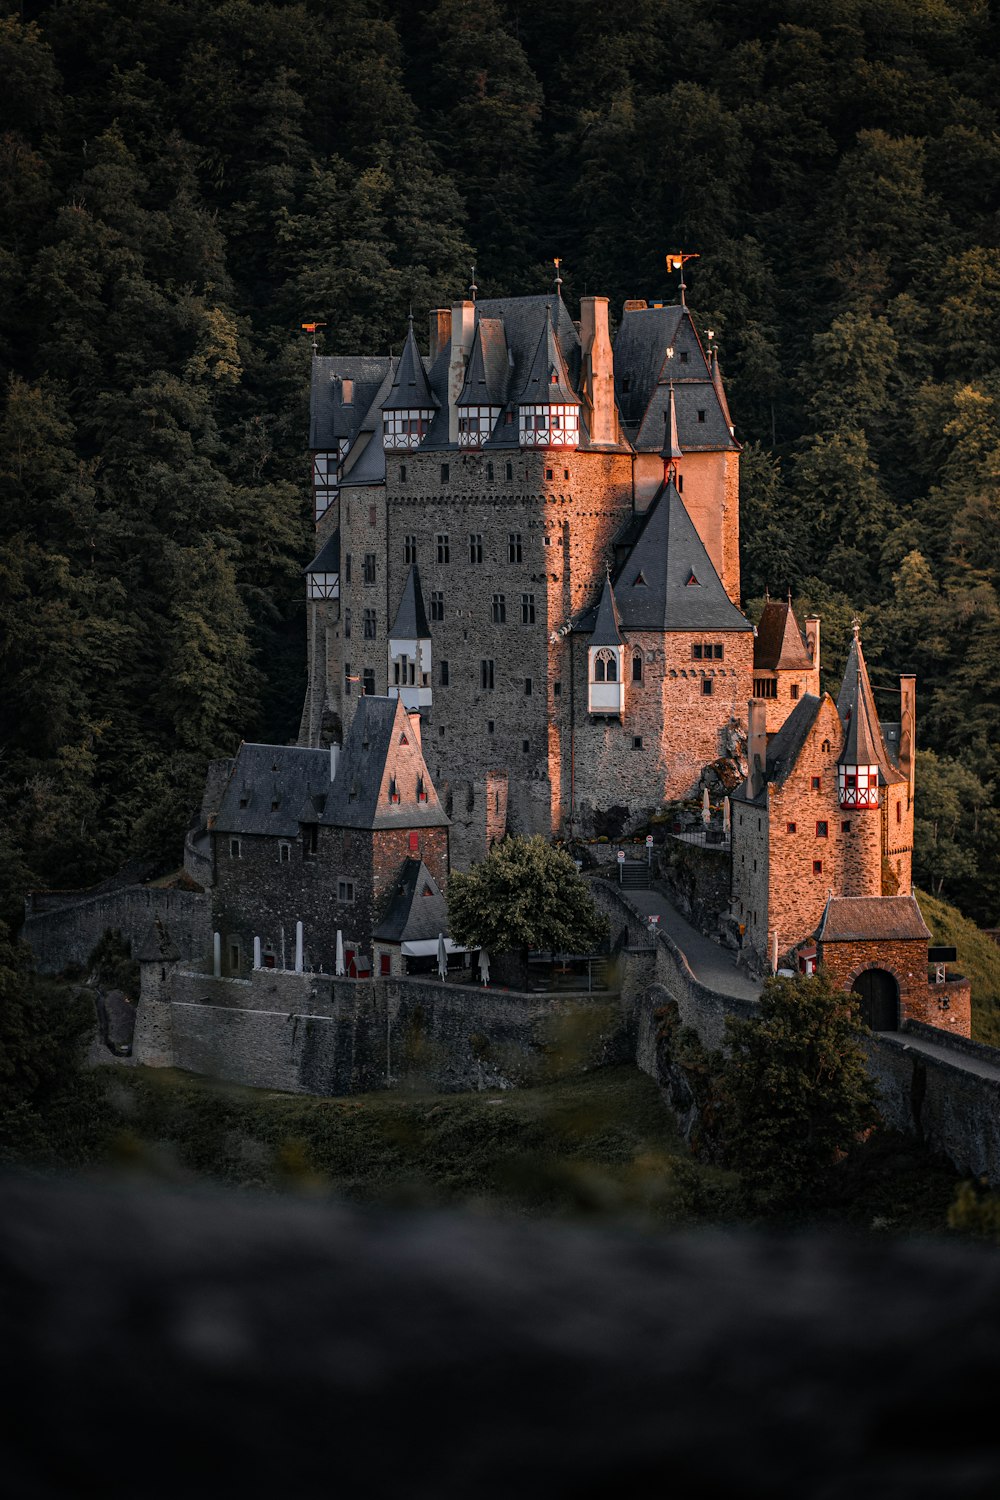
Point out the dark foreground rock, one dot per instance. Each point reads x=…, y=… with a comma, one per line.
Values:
x=159, y=1343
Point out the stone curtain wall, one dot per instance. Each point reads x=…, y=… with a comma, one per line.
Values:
x=945, y=1007
x=68, y=933
x=308, y=1033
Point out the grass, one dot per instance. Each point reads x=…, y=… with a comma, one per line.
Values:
x=978, y=959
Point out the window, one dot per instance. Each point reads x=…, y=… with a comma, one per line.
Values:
x=637, y=742
x=605, y=666
x=794, y=691
x=845, y=826
x=684, y=356
x=707, y=683
x=701, y=416
x=765, y=687
x=444, y=669
x=825, y=747
x=234, y=955
x=310, y=840
x=527, y=609
x=790, y=827
x=817, y=867
x=369, y=569
x=368, y=682
x=347, y=679
x=486, y=675
x=489, y=471
x=345, y=892
x=510, y=467
x=718, y=651
x=347, y=624
x=814, y=783
x=445, y=473
x=368, y=625
x=548, y=473
x=437, y=604
x=680, y=491
x=527, y=687
x=489, y=726
x=565, y=473
x=409, y=549
x=475, y=547
x=347, y=567
x=443, y=547
x=284, y=853
x=499, y=609
x=696, y=651
x=414, y=843
x=371, y=515
x=899, y=812
x=525, y=746
x=557, y=690
x=402, y=473
x=637, y=667
x=822, y=830
x=347, y=392
x=234, y=849
x=514, y=547
x=384, y=964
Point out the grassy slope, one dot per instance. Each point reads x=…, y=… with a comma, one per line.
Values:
x=978, y=958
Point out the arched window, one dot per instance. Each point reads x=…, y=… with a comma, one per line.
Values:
x=637, y=667
x=599, y=669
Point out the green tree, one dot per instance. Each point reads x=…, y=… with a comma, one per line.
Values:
x=796, y=1090
x=525, y=894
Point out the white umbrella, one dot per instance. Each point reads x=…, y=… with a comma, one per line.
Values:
x=341, y=966
x=484, y=966
x=442, y=956
x=706, y=811
x=726, y=815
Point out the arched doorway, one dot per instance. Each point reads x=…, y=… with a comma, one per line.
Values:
x=879, y=994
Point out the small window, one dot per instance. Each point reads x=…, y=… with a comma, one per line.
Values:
x=369, y=569
x=347, y=624
x=475, y=547
x=443, y=547
x=626, y=384
x=368, y=682
x=707, y=683
x=371, y=515
x=489, y=471
x=527, y=687
x=637, y=667
x=486, y=674
x=347, y=567
x=384, y=964
x=244, y=801
x=557, y=690
x=234, y=956
x=765, y=687
x=845, y=826
x=234, y=849
x=499, y=612
x=345, y=892
x=637, y=742
x=508, y=421
x=718, y=651
x=310, y=840
x=527, y=609
x=402, y=473
x=825, y=747
x=284, y=853
x=514, y=547
x=701, y=416
x=565, y=473
x=899, y=812
x=437, y=604
x=510, y=467
x=696, y=651
x=445, y=678
x=347, y=679
x=490, y=726
x=794, y=691
x=680, y=491
x=525, y=746
x=790, y=827
x=817, y=867
x=814, y=783
x=822, y=830
x=414, y=843
x=409, y=550
x=548, y=473
x=369, y=624
x=347, y=392
x=684, y=356
x=445, y=473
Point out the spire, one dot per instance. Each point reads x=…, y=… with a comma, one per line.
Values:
x=410, y=388
x=473, y=289
x=671, y=451
x=410, y=623
x=607, y=626
x=720, y=389
x=863, y=741
x=557, y=262
x=548, y=381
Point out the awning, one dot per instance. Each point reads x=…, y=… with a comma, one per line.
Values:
x=428, y=947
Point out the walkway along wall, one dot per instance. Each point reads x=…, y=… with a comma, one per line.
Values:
x=63, y=929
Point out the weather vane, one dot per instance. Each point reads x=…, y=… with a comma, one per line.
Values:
x=311, y=328
x=557, y=262
x=473, y=289
x=676, y=261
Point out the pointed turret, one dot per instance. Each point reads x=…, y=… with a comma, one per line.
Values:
x=409, y=407
x=410, y=647
x=671, y=450
x=863, y=764
x=549, y=408
x=485, y=391
x=606, y=658
x=720, y=391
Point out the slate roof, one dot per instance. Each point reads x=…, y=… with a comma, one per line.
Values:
x=720, y=389
x=785, y=747
x=606, y=631
x=327, y=559
x=329, y=419
x=410, y=623
x=671, y=443
x=691, y=397
x=780, y=644
x=366, y=464
x=639, y=352
x=413, y=915
x=410, y=389
x=381, y=750
x=263, y=775
x=668, y=582
x=547, y=382
x=488, y=369
x=863, y=742
x=524, y=323
x=849, y=919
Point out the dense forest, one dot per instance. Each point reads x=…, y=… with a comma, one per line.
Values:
x=185, y=181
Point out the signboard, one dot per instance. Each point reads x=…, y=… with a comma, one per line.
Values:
x=653, y=919
x=649, y=841
x=621, y=856
x=942, y=955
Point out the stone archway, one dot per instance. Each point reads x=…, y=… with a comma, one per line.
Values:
x=879, y=994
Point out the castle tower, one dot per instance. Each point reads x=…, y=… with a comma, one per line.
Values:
x=785, y=661
x=159, y=960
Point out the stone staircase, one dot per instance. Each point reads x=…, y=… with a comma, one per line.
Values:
x=635, y=875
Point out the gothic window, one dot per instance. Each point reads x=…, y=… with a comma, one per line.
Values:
x=606, y=665
x=825, y=747
x=443, y=547
x=499, y=609
x=475, y=547
x=437, y=605
x=368, y=624
x=637, y=667
x=284, y=853
x=514, y=547
x=369, y=569
x=409, y=549
x=527, y=609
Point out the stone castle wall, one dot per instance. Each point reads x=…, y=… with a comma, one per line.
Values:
x=66, y=934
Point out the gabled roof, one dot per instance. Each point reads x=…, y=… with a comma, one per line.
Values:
x=639, y=353
x=785, y=747
x=668, y=582
x=273, y=783
x=488, y=369
x=410, y=390
x=852, y=919
x=381, y=754
x=547, y=382
x=701, y=425
x=330, y=418
x=780, y=644
x=327, y=559
x=410, y=623
x=863, y=742
x=365, y=462
x=417, y=909
x=524, y=320
x=606, y=631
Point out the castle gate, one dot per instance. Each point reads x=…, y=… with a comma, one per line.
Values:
x=879, y=994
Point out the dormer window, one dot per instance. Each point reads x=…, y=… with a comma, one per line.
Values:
x=857, y=786
x=347, y=392
x=556, y=426
x=404, y=428
x=475, y=424
x=606, y=689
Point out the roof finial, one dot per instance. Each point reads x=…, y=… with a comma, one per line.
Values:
x=557, y=262
x=675, y=262
x=856, y=627
x=767, y=594
x=473, y=289
x=789, y=596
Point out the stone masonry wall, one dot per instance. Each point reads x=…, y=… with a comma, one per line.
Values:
x=943, y=1006
x=751, y=849
x=68, y=934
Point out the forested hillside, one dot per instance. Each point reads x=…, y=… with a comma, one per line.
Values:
x=184, y=182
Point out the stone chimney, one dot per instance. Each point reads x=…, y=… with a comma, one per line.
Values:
x=463, y=326
x=440, y=330
x=756, y=745
x=413, y=714
x=908, y=730
x=334, y=761
x=812, y=638
x=597, y=385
